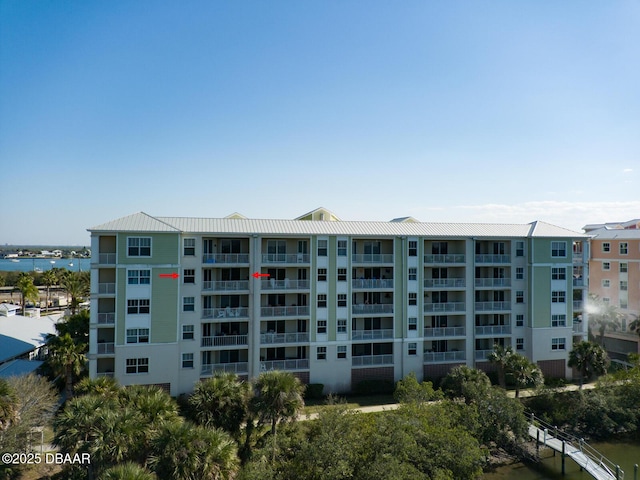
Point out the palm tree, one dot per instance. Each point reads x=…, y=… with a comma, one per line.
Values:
x=127, y=471
x=605, y=316
x=76, y=285
x=500, y=357
x=221, y=402
x=588, y=358
x=103, y=386
x=49, y=279
x=468, y=383
x=28, y=291
x=523, y=372
x=67, y=359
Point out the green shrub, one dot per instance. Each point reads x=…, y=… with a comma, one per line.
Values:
x=313, y=391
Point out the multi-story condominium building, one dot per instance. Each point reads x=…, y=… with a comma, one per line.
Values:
x=173, y=300
x=614, y=267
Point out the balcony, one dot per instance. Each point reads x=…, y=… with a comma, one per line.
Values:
x=577, y=328
x=106, y=348
x=224, y=341
x=227, y=312
x=372, y=258
x=578, y=282
x=280, y=258
x=444, y=283
x=225, y=258
x=442, y=357
x=293, y=311
x=366, y=309
x=286, y=284
x=444, y=307
x=493, y=282
x=107, y=258
x=444, y=332
x=482, y=354
x=493, y=259
x=225, y=286
x=106, y=318
x=369, y=360
x=270, y=338
x=293, y=364
x=577, y=305
x=106, y=288
x=493, y=330
x=237, y=367
x=445, y=258
x=492, y=306
x=371, y=334
x=105, y=374
x=372, y=283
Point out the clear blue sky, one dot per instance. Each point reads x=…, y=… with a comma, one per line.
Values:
x=463, y=111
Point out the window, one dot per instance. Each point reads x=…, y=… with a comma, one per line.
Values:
x=189, y=276
x=624, y=303
x=558, y=297
x=558, y=249
x=412, y=323
x=188, y=304
x=558, y=274
x=606, y=247
x=322, y=326
x=187, y=360
x=342, y=248
x=139, y=246
x=137, y=365
x=519, y=249
x=342, y=299
x=606, y=266
x=413, y=273
x=606, y=300
x=412, y=348
x=342, y=351
x=137, y=335
x=322, y=300
x=519, y=273
x=558, y=320
x=342, y=274
x=187, y=332
x=557, y=344
x=624, y=267
x=624, y=285
x=321, y=353
x=322, y=248
x=519, y=320
x=519, y=296
x=139, y=277
x=138, y=306
x=413, y=248
x=519, y=343
x=322, y=274
x=606, y=283
x=413, y=298
x=189, y=245
x=624, y=248
x=342, y=325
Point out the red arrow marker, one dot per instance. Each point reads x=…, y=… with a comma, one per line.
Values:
x=169, y=275
x=258, y=275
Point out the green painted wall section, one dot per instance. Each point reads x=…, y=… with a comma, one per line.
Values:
x=540, y=296
x=164, y=249
x=164, y=300
x=542, y=250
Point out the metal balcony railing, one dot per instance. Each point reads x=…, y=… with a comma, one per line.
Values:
x=270, y=338
x=493, y=329
x=444, y=307
x=293, y=364
x=445, y=331
x=371, y=334
x=228, y=312
x=372, y=283
x=285, y=258
x=486, y=306
x=486, y=258
x=226, y=285
x=444, y=258
x=106, y=348
x=224, y=340
x=106, y=318
x=225, y=258
x=493, y=282
x=452, y=356
x=237, y=367
x=368, y=360
x=444, y=283
x=372, y=258
x=376, y=308
x=292, y=311
x=106, y=288
x=286, y=284
x=107, y=258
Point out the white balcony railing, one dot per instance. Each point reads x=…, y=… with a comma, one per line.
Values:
x=107, y=258
x=453, y=356
x=237, y=367
x=493, y=329
x=493, y=282
x=105, y=374
x=286, y=284
x=444, y=331
x=493, y=259
x=444, y=283
x=577, y=305
x=379, y=308
x=106, y=288
x=486, y=306
x=228, y=312
x=482, y=354
x=372, y=258
x=106, y=348
x=367, y=360
x=444, y=307
x=269, y=338
x=224, y=340
x=371, y=334
x=225, y=258
x=578, y=282
x=285, y=258
x=292, y=311
x=106, y=318
x=444, y=258
x=371, y=283
x=293, y=364
x=226, y=285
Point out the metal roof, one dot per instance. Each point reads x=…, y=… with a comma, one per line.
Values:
x=142, y=222
x=615, y=233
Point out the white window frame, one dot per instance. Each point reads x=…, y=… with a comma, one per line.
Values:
x=519, y=296
x=413, y=273
x=558, y=344
x=413, y=298
x=188, y=332
x=322, y=300
x=341, y=352
x=342, y=300
x=624, y=285
x=322, y=274
x=323, y=248
x=413, y=248
x=138, y=306
x=606, y=283
x=321, y=353
x=558, y=273
x=519, y=320
x=187, y=360
x=188, y=304
x=559, y=320
x=189, y=247
x=139, y=277
x=558, y=296
x=341, y=325
x=624, y=267
x=342, y=248
x=519, y=273
x=412, y=324
x=412, y=348
x=137, y=335
x=606, y=247
x=342, y=274
x=135, y=244
x=321, y=327
x=606, y=266
x=624, y=248
x=519, y=343
x=189, y=275
x=136, y=366
x=559, y=249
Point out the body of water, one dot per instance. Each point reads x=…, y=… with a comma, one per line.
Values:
x=550, y=468
x=43, y=264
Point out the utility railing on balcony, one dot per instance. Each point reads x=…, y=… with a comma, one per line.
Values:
x=371, y=283
x=445, y=331
x=106, y=288
x=578, y=305
x=105, y=374
x=293, y=364
x=228, y=312
x=444, y=258
x=444, y=307
x=493, y=282
x=486, y=258
x=106, y=318
x=490, y=306
x=106, y=348
x=578, y=282
x=452, y=356
x=286, y=284
x=482, y=354
x=368, y=360
x=237, y=367
x=577, y=328
x=224, y=341
x=297, y=337
x=292, y=311
x=444, y=283
x=372, y=258
x=371, y=334
x=493, y=329
x=107, y=258
x=226, y=285
x=375, y=308
x=285, y=258
x=225, y=258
